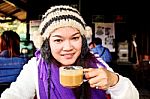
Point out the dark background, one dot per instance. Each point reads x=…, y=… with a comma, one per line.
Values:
x=135, y=16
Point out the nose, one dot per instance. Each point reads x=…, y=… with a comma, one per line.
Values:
x=67, y=45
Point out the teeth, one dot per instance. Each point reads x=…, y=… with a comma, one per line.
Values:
x=68, y=55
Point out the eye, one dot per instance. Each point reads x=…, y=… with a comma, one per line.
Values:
x=57, y=40
x=75, y=38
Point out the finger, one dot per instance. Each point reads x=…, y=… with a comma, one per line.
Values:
x=102, y=87
x=87, y=69
x=92, y=85
x=92, y=73
x=96, y=85
x=94, y=80
x=102, y=84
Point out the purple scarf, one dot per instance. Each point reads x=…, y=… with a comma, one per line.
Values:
x=57, y=91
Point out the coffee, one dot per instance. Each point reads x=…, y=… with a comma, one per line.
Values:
x=71, y=76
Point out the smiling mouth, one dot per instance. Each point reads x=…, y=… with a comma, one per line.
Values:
x=67, y=56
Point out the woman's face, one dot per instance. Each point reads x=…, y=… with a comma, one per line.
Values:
x=65, y=45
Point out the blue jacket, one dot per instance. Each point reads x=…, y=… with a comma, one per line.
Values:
x=103, y=52
x=10, y=68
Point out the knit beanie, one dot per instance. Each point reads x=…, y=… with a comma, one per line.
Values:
x=56, y=17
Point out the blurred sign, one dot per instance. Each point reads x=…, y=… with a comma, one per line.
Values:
x=34, y=25
x=106, y=32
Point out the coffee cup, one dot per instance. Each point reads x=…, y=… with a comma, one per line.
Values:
x=71, y=76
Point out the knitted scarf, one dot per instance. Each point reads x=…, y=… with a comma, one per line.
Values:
x=57, y=91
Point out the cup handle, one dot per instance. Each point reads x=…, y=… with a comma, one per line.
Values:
x=84, y=79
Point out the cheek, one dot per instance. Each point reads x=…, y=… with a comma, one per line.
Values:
x=79, y=45
x=55, y=49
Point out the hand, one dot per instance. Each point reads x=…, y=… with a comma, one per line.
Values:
x=100, y=78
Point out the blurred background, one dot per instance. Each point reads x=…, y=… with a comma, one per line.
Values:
x=130, y=20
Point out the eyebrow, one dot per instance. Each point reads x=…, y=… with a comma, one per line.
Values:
x=61, y=36
x=76, y=33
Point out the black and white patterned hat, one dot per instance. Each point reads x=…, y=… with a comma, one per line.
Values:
x=56, y=17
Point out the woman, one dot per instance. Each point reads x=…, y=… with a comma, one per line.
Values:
x=10, y=61
x=61, y=42
x=9, y=44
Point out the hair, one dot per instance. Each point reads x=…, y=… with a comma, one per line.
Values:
x=10, y=41
x=97, y=41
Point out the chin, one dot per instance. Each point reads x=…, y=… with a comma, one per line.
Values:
x=67, y=63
